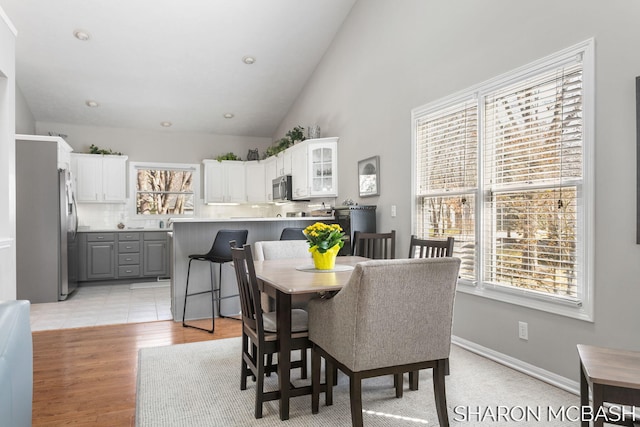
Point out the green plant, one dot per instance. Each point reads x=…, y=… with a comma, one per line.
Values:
x=93, y=149
x=227, y=156
x=295, y=134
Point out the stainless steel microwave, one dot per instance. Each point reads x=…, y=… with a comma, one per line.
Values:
x=282, y=188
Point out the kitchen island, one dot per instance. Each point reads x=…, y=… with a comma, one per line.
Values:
x=195, y=236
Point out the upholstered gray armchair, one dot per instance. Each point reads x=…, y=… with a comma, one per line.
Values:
x=393, y=316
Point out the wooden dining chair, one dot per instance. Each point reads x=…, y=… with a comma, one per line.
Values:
x=359, y=330
x=375, y=245
x=430, y=248
x=259, y=337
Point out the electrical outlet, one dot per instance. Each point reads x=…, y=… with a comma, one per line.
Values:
x=523, y=330
x=393, y=211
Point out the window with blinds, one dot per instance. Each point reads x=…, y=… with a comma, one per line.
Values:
x=502, y=168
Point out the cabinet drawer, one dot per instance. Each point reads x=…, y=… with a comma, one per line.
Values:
x=101, y=237
x=128, y=259
x=155, y=235
x=128, y=236
x=126, y=247
x=128, y=271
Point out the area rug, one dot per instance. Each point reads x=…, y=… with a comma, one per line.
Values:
x=198, y=384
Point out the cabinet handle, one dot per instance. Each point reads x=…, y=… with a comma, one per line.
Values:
x=128, y=247
x=100, y=237
x=127, y=271
x=127, y=259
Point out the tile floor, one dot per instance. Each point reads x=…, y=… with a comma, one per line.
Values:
x=104, y=305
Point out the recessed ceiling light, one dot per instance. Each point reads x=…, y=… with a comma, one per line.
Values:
x=81, y=35
x=91, y=103
x=228, y=115
x=248, y=60
x=165, y=124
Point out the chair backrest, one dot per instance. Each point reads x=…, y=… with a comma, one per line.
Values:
x=378, y=327
x=220, y=250
x=292, y=233
x=247, y=287
x=375, y=245
x=281, y=249
x=428, y=248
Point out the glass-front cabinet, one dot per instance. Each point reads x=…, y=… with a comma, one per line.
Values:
x=323, y=169
x=315, y=168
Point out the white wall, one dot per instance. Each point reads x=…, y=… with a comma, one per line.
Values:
x=25, y=123
x=7, y=160
x=391, y=57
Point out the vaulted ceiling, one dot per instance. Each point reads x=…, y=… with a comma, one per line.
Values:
x=152, y=61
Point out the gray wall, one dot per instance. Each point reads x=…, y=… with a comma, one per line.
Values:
x=391, y=57
x=154, y=146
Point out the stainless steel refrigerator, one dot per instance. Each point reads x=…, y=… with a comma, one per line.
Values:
x=46, y=224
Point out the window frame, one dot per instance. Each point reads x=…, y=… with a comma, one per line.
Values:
x=133, y=168
x=582, y=310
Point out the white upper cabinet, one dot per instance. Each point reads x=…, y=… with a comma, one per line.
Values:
x=270, y=173
x=255, y=176
x=224, y=182
x=315, y=168
x=284, y=162
x=100, y=178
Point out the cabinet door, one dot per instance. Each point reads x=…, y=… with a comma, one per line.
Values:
x=88, y=177
x=213, y=182
x=254, y=172
x=323, y=169
x=236, y=182
x=284, y=161
x=114, y=178
x=270, y=173
x=300, y=185
x=155, y=258
x=101, y=260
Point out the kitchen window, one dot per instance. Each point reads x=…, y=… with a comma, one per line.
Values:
x=506, y=168
x=164, y=189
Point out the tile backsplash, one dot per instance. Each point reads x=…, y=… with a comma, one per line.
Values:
x=109, y=215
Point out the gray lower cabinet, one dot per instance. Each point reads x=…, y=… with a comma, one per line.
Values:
x=123, y=255
x=155, y=254
x=100, y=256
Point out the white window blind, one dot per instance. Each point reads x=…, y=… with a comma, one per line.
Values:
x=505, y=168
x=533, y=166
x=447, y=159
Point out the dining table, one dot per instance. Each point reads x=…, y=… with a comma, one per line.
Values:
x=282, y=279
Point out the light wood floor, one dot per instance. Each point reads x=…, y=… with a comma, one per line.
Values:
x=87, y=376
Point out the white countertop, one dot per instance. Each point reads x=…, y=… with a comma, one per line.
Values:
x=251, y=219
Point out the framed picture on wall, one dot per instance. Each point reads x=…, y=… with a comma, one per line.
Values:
x=369, y=176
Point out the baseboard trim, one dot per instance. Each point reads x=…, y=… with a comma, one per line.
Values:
x=543, y=375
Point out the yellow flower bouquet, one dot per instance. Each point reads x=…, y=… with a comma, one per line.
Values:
x=325, y=240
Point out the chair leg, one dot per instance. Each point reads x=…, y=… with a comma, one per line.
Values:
x=398, y=383
x=243, y=366
x=413, y=380
x=259, y=383
x=184, y=308
x=305, y=363
x=315, y=381
x=269, y=363
x=219, y=291
x=330, y=375
x=440, y=393
x=355, y=396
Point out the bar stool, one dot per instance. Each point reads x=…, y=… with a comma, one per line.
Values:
x=219, y=253
x=292, y=233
